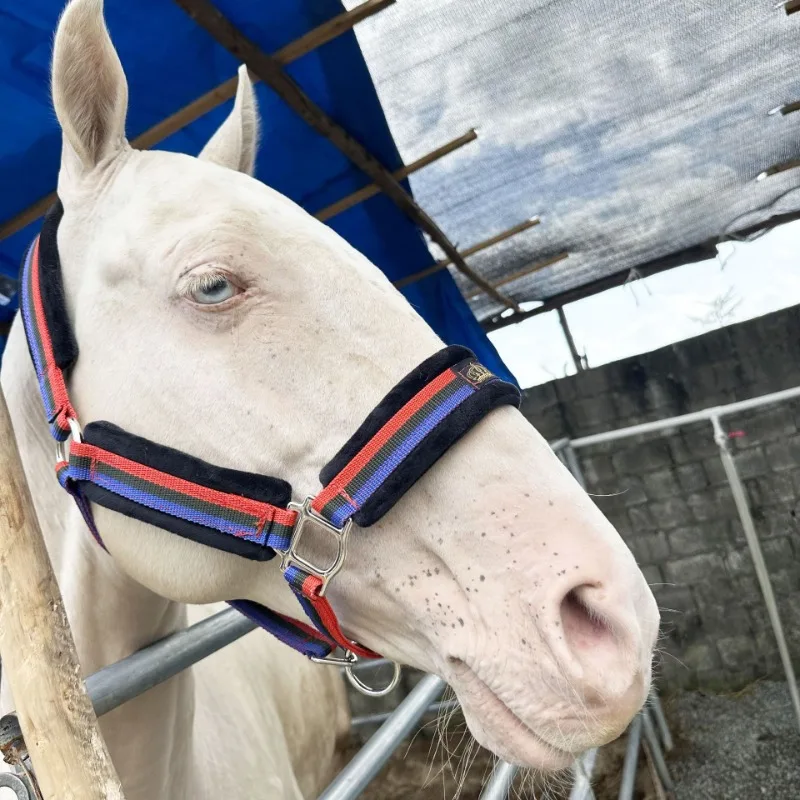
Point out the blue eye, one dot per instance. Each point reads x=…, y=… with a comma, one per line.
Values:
x=215, y=289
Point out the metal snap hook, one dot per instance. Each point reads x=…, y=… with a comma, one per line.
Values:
x=358, y=684
x=348, y=662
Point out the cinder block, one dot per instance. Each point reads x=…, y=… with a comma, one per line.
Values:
x=641, y=519
x=784, y=454
x=590, y=415
x=638, y=458
x=597, y=469
x=738, y=562
x=691, y=477
x=766, y=424
x=750, y=463
x=695, y=569
x=689, y=541
x=661, y=484
x=652, y=574
x=650, y=548
x=671, y=513
x=703, y=505
x=714, y=470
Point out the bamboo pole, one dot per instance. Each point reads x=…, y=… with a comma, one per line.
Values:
x=493, y=240
x=777, y=168
x=180, y=119
x=208, y=17
x=370, y=191
x=475, y=248
x=38, y=652
x=529, y=270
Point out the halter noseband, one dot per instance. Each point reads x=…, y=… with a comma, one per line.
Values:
x=248, y=514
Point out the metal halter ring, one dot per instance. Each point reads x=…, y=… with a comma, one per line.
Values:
x=348, y=662
x=307, y=518
x=76, y=436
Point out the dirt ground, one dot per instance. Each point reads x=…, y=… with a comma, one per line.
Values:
x=738, y=746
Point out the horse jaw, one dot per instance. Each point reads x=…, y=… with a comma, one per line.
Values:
x=495, y=571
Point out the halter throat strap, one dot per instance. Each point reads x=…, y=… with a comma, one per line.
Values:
x=243, y=513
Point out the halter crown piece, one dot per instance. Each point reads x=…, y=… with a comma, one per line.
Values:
x=244, y=513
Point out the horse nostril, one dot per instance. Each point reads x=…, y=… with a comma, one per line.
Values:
x=583, y=624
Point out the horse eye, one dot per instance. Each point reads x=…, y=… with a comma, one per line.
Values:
x=216, y=289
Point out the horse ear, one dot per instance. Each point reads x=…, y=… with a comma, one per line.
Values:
x=90, y=93
x=235, y=143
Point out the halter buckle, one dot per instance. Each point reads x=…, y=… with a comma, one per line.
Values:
x=306, y=516
x=76, y=434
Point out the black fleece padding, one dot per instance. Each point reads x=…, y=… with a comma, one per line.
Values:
x=414, y=382
x=188, y=530
x=434, y=446
x=263, y=488
x=65, y=347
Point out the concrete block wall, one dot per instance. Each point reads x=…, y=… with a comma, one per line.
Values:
x=668, y=497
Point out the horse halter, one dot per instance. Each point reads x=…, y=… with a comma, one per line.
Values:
x=244, y=513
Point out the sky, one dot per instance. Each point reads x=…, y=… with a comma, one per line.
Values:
x=751, y=278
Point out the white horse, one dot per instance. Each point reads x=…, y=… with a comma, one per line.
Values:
x=215, y=316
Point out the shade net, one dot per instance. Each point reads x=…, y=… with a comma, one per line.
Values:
x=634, y=128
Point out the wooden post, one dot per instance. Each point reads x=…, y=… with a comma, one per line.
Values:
x=209, y=17
x=529, y=270
x=39, y=658
x=180, y=119
x=470, y=251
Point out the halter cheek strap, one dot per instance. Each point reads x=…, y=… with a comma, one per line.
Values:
x=246, y=514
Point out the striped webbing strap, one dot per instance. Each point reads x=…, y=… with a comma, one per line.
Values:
x=243, y=513
x=40, y=295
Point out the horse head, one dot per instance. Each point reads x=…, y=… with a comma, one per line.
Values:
x=217, y=317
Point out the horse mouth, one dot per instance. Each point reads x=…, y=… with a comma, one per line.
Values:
x=498, y=728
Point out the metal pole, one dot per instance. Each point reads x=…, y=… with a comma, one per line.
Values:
x=574, y=465
x=573, y=351
x=655, y=750
x=661, y=720
x=117, y=683
x=631, y=759
x=762, y=573
x=381, y=717
x=584, y=766
x=367, y=763
x=8, y=780
x=500, y=782
x=687, y=419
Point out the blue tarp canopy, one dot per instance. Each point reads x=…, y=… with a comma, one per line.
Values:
x=169, y=62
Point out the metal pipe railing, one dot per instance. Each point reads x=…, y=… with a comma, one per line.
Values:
x=582, y=782
x=369, y=760
x=381, y=717
x=713, y=416
x=631, y=761
x=117, y=683
x=704, y=415
x=661, y=721
x=499, y=785
x=754, y=545
x=656, y=752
